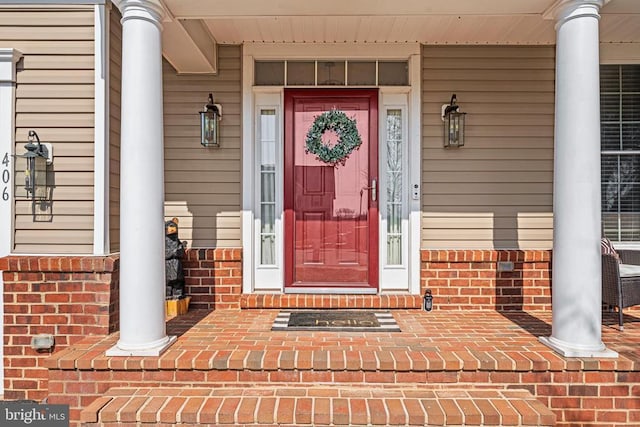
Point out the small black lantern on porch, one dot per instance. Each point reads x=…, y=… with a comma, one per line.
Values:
x=210, y=119
x=427, y=300
x=31, y=169
x=453, y=124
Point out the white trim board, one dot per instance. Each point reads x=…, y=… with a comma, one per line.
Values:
x=330, y=50
x=101, y=132
x=22, y=3
x=247, y=165
x=8, y=60
x=619, y=53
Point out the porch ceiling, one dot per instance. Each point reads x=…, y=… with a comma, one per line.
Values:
x=379, y=21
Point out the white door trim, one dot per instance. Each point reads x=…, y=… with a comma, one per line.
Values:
x=271, y=276
x=250, y=190
x=393, y=277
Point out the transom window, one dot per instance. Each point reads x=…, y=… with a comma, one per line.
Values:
x=620, y=149
x=331, y=73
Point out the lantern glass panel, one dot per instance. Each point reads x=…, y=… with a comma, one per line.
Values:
x=40, y=190
x=22, y=178
x=30, y=177
x=209, y=128
x=454, y=129
x=461, y=119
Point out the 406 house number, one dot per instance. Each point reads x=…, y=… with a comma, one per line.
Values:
x=6, y=176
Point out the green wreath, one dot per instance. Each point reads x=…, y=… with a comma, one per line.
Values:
x=348, y=137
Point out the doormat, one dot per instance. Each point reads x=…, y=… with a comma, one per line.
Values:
x=336, y=320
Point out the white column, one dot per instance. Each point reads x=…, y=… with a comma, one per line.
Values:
x=577, y=290
x=142, y=287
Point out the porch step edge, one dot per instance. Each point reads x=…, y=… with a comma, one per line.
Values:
x=315, y=405
x=331, y=362
x=330, y=301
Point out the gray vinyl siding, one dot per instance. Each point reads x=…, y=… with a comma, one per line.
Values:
x=115, y=73
x=55, y=97
x=203, y=185
x=496, y=191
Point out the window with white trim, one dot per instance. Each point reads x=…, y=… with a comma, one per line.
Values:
x=620, y=151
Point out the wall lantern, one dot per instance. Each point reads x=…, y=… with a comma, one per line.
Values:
x=31, y=168
x=210, y=119
x=453, y=124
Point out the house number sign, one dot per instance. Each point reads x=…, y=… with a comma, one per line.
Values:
x=6, y=176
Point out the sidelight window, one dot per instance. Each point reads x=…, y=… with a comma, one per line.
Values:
x=267, y=186
x=394, y=186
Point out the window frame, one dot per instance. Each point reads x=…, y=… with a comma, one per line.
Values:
x=619, y=153
x=271, y=275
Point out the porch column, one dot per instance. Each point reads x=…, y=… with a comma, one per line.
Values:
x=577, y=295
x=142, y=287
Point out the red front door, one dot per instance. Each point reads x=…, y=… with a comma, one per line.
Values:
x=331, y=212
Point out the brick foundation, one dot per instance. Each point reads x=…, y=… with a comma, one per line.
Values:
x=68, y=297
x=309, y=301
x=72, y=297
x=213, y=278
x=470, y=280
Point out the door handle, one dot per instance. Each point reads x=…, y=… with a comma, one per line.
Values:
x=373, y=188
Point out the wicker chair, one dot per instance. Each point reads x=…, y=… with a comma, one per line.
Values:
x=617, y=291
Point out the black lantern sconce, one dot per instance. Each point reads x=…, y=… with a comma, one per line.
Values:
x=210, y=119
x=453, y=124
x=31, y=169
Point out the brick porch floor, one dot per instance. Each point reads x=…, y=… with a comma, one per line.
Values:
x=435, y=351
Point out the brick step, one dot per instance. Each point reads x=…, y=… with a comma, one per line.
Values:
x=311, y=366
x=302, y=301
x=315, y=405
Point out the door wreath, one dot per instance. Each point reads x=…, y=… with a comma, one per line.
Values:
x=348, y=137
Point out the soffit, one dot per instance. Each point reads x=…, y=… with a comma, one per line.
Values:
x=383, y=21
x=193, y=28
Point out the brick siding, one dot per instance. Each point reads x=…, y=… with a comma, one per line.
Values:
x=68, y=297
x=470, y=280
x=213, y=278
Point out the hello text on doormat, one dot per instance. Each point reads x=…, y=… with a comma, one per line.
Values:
x=335, y=320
